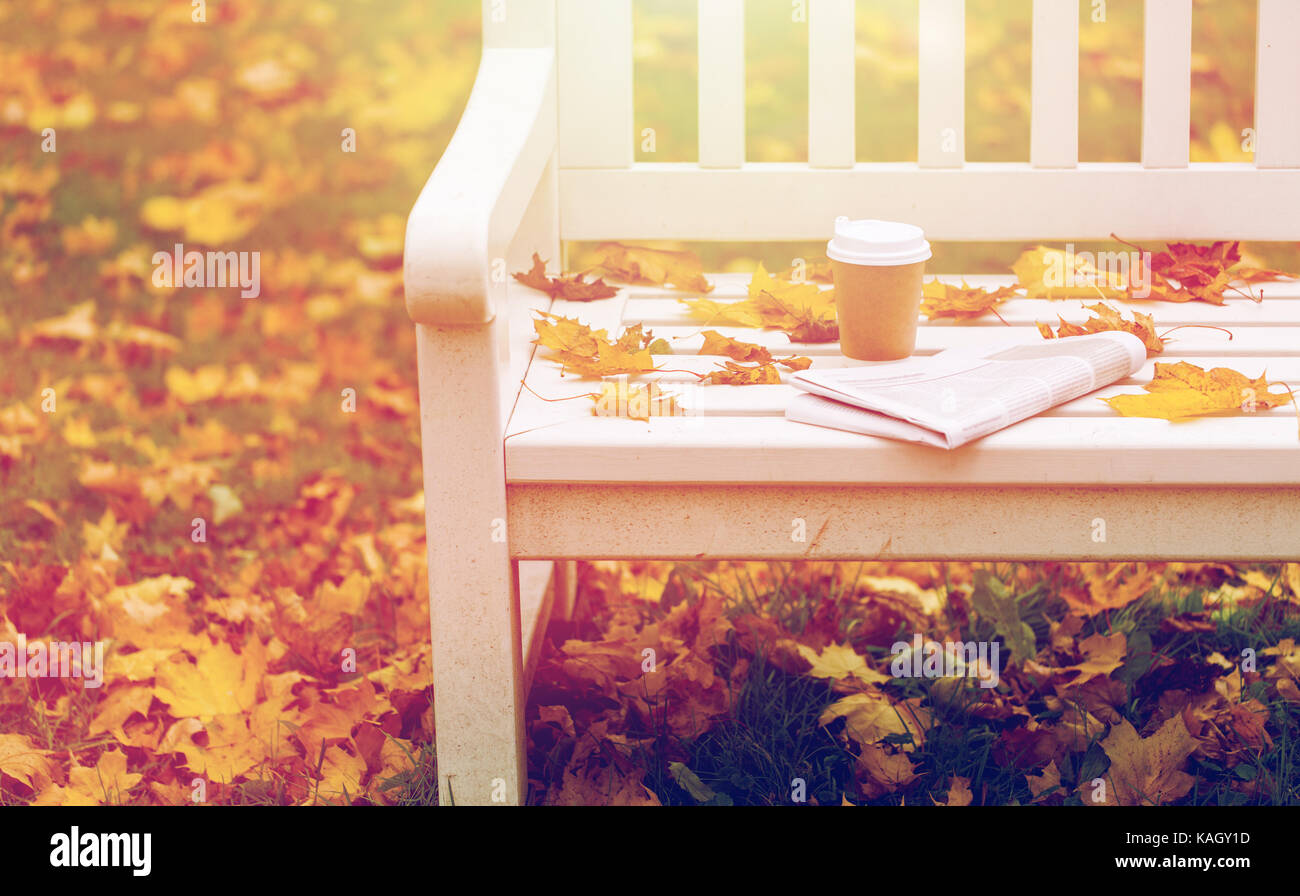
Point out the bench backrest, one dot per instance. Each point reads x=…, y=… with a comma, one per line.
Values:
x=605, y=194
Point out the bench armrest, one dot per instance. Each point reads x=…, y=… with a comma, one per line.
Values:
x=472, y=204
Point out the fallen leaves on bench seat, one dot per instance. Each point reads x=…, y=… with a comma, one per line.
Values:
x=1203, y=273
x=1107, y=318
x=1183, y=272
x=747, y=352
x=590, y=352
x=805, y=311
x=656, y=267
x=962, y=302
x=635, y=402
x=1184, y=390
x=573, y=289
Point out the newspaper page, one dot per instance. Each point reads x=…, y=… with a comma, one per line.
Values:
x=962, y=395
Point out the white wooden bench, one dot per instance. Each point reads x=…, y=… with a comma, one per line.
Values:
x=544, y=153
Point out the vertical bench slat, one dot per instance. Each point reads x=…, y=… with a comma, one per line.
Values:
x=507, y=23
x=595, y=80
x=722, y=83
x=1277, y=83
x=1054, y=128
x=1167, y=84
x=941, y=118
x=832, y=47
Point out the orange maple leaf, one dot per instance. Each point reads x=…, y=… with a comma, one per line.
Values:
x=962, y=302
x=1186, y=272
x=657, y=267
x=573, y=289
x=747, y=352
x=1108, y=318
x=591, y=353
x=739, y=375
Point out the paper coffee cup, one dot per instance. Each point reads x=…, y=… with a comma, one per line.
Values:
x=877, y=267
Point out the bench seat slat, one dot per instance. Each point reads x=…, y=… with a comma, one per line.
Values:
x=1246, y=342
x=735, y=286
x=1045, y=451
x=1026, y=312
x=737, y=433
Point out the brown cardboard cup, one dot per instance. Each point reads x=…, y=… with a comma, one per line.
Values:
x=877, y=267
x=878, y=309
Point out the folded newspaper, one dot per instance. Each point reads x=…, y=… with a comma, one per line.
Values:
x=961, y=395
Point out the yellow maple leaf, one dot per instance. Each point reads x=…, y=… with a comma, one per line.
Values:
x=228, y=753
x=225, y=503
x=104, y=539
x=740, y=314
x=840, y=662
x=1057, y=274
x=1147, y=771
x=590, y=352
x=799, y=295
x=107, y=783
x=959, y=793
x=220, y=682
x=23, y=761
x=191, y=387
x=659, y=267
x=1182, y=390
x=804, y=311
x=113, y=710
x=635, y=402
x=940, y=299
x=150, y=613
x=90, y=237
x=340, y=777
x=869, y=717
x=1102, y=655
x=163, y=213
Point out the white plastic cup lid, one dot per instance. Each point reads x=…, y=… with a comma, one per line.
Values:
x=877, y=243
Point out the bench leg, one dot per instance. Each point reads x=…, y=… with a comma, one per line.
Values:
x=566, y=589
x=473, y=591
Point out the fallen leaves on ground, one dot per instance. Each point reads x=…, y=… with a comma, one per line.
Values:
x=1147, y=771
x=672, y=648
x=218, y=490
